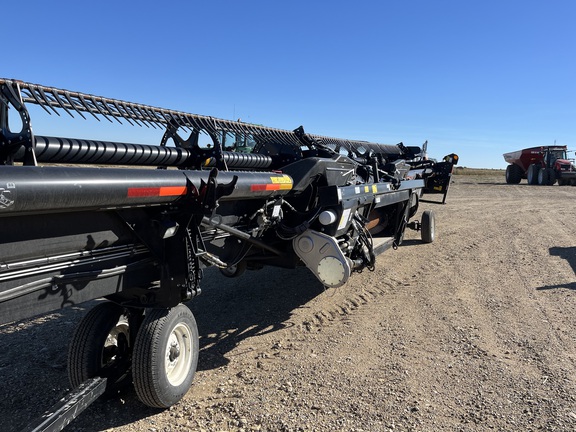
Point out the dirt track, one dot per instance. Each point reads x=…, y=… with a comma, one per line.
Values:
x=475, y=331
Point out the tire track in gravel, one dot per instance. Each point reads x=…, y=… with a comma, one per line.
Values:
x=523, y=311
x=344, y=301
x=493, y=348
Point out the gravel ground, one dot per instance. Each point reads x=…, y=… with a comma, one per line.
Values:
x=474, y=332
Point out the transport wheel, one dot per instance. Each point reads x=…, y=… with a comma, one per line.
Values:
x=513, y=174
x=428, y=227
x=165, y=356
x=234, y=270
x=100, y=346
x=532, y=174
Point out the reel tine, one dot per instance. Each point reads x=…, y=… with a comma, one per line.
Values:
x=72, y=104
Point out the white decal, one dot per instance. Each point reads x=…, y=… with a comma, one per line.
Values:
x=5, y=197
x=344, y=219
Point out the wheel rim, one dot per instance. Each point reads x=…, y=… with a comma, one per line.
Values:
x=117, y=343
x=178, y=358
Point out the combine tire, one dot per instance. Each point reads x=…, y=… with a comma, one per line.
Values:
x=532, y=174
x=428, y=227
x=513, y=174
x=165, y=356
x=100, y=347
x=546, y=177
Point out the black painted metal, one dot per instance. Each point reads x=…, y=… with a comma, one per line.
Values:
x=70, y=407
x=83, y=151
x=29, y=189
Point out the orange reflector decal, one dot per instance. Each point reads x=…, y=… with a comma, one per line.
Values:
x=172, y=190
x=163, y=191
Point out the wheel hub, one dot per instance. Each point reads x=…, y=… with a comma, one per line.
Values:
x=174, y=351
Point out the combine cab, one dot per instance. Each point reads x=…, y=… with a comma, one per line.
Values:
x=540, y=166
x=223, y=193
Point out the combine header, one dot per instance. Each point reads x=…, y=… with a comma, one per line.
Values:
x=136, y=224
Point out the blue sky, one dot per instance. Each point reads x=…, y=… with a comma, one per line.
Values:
x=478, y=78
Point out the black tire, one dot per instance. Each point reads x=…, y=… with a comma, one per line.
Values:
x=548, y=177
x=552, y=177
x=100, y=346
x=532, y=174
x=428, y=227
x=542, y=177
x=513, y=174
x=165, y=356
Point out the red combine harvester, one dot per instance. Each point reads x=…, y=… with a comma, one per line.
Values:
x=540, y=166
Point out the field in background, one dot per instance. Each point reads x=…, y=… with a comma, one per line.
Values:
x=478, y=171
